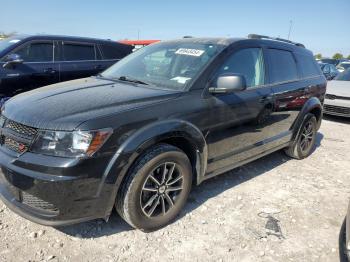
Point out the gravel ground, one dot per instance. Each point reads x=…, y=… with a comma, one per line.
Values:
x=274, y=209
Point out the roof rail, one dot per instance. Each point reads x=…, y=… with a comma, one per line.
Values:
x=256, y=36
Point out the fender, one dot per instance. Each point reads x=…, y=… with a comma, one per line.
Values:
x=147, y=136
x=310, y=105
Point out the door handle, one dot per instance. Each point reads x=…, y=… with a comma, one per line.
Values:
x=49, y=71
x=265, y=99
x=308, y=89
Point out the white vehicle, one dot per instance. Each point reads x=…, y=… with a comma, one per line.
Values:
x=343, y=66
x=337, y=101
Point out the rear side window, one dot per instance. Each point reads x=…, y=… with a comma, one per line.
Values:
x=112, y=52
x=36, y=52
x=308, y=65
x=78, y=52
x=282, y=66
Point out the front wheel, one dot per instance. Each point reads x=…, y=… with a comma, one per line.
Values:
x=156, y=188
x=305, y=142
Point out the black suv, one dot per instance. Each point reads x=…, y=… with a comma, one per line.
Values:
x=28, y=62
x=171, y=114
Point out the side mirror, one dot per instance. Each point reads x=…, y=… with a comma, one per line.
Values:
x=229, y=83
x=11, y=60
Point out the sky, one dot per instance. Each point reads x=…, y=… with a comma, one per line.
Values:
x=321, y=25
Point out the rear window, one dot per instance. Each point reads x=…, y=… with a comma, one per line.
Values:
x=78, y=52
x=112, y=52
x=308, y=65
x=282, y=66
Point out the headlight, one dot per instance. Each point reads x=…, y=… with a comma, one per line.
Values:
x=70, y=144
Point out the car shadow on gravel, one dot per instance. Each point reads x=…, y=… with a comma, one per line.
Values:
x=339, y=119
x=217, y=185
x=199, y=195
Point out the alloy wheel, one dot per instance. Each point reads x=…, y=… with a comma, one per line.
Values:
x=307, y=137
x=161, y=190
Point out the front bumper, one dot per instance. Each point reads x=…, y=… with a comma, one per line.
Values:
x=54, y=191
x=337, y=107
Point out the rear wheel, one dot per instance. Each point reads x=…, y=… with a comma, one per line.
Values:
x=305, y=141
x=156, y=188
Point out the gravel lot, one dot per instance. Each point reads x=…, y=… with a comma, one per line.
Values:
x=274, y=209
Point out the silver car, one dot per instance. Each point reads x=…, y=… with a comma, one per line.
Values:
x=337, y=101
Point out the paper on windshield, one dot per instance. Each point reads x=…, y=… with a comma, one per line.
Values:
x=181, y=79
x=189, y=51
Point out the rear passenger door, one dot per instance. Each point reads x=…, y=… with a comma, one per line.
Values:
x=77, y=60
x=289, y=91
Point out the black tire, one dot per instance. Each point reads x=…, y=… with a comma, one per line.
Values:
x=301, y=149
x=162, y=163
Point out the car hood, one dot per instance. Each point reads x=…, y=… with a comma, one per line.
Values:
x=66, y=105
x=338, y=88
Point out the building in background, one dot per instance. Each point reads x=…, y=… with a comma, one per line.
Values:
x=137, y=44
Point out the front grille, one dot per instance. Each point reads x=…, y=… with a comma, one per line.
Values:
x=15, y=146
x=337, y=110
x=333, y=97
x=15, y=136
x=37, y=203
x=20, y=129
x=2, y=121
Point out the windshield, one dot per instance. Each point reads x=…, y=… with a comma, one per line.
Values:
x=345, y=76
x=166, y=65
x=7, y=42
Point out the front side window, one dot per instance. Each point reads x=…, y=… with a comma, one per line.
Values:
x=247, y=62
x=169, y=65
x=36, y=52
x=282, y=66
x=78, y=52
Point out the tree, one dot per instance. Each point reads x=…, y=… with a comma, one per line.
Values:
x=6, y=35
x=318, y=56
x=348, y=57
x=338, y=56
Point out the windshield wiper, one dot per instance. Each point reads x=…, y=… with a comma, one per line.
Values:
x=132, y=80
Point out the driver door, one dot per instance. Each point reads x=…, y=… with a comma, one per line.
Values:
x=38, y=68
x=239, y=128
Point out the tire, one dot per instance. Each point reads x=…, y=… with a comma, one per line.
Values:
x=156, y=188
x=305, y=141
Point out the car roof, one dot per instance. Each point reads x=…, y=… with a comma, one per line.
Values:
x=228, y=41
x=64, y=37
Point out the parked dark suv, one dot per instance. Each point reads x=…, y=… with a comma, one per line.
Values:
x=28, y=62
x=138, y=135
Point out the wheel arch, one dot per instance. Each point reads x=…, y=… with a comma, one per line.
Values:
x=179, y=133
x=312, y=105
